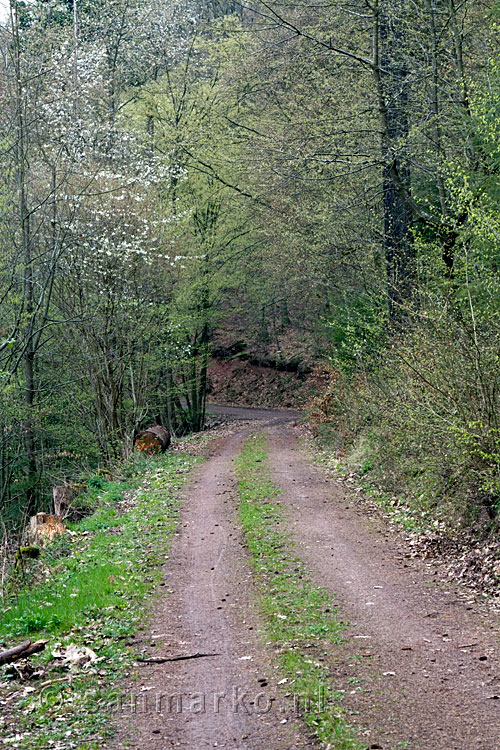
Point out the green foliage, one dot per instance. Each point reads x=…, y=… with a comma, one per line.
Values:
x=356, y=330
x=418, y=407
x=235, y=185
x=430, y=413
x=91, y=589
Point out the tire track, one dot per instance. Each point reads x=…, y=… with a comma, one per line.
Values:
x=230, y=700
x=429, y=667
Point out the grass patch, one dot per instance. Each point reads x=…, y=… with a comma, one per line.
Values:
x=91, y=588
x=300, y=619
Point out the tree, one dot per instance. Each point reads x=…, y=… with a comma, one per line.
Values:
x=67, y=148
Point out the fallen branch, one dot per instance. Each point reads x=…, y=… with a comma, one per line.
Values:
x=20, y=652
x=163, y=659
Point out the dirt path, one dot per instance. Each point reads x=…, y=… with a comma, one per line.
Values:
x=427, y=664
x=229, y=699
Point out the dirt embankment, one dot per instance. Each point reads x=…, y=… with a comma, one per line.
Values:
x=242, y=383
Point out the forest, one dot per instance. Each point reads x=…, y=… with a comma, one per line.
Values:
x=312, y=186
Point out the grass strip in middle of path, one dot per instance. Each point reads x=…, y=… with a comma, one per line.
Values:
x=300, y=618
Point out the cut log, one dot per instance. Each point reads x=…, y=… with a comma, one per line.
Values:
x=155, y=439
x=28, y=648
x=43, y=528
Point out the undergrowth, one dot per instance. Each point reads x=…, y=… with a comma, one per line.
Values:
x=418, y=417
x=300, y=618
x=91, y=588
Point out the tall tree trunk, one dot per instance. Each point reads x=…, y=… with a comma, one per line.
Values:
x=202, y=387
x=391, y=77
x=26, y=243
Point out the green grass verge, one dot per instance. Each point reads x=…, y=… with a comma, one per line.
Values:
x=364, y=478
x=90, y=588
x=300, y=618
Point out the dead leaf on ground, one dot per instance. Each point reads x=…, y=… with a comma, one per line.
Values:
x=74, y=656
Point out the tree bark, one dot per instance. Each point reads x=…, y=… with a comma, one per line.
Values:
x=393, y=105
x=26, y=242
x=20, y=652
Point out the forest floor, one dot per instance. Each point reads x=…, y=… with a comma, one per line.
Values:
x=417, y=664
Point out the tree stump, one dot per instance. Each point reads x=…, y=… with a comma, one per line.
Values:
x=43, y=528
